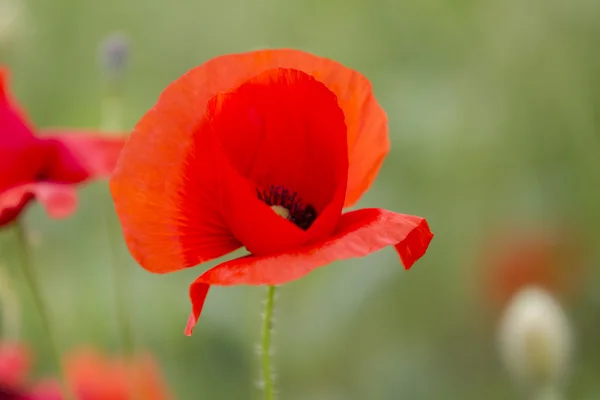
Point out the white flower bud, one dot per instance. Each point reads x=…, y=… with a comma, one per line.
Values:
x=535, y=339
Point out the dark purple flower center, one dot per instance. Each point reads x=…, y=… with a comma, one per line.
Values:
x=300, y=213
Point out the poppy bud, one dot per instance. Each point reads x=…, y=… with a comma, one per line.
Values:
x=114, y=54
x=535, y=339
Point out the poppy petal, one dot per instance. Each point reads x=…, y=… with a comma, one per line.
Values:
x=198, y=293
x=285, y=134
x=147, y=378
x=368, y=141
x=284, y=128
x=358, y=234
x=59, y=200
x=166, y=189
x=15, y=362
x=13, y=121
x=46, y=389
x=366, y=121
x=22, y=155
x=78, y=156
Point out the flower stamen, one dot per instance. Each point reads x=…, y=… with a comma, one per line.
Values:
x=288, y=205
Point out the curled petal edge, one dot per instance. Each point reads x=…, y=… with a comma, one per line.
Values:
x=358, y=234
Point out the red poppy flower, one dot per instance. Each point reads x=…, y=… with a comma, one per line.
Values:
x=15, y=363
x=263, y=150
x=92, y=375
x=46, y=168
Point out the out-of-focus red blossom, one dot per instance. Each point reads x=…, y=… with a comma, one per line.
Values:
x=46, y=168
x=262, y=150
x=548, y=258
x=94, y=376
x=15, y=362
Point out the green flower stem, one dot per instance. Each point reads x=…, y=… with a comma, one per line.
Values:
x=112, y=116
x=119, y=276
x=27, y=267
x=267, y=330
x=10, y=308
x=547, y=393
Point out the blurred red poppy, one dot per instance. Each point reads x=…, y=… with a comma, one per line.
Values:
x=46, y=168
x=548, y=258
x=263, y=150
x=14, y=365
x=93, y=376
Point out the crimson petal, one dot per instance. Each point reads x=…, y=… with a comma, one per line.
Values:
x=59, y=200
x=79, y=156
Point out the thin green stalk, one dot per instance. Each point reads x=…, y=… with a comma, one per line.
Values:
x=265, y=354
x=10, y=308
x=547, y=393
x=112, y=110
x=27, y=267
x=119, y=276
x=114, y=52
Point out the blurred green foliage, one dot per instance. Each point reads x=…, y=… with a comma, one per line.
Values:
x=494, y=118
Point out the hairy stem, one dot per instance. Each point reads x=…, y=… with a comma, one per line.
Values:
x=265, y=354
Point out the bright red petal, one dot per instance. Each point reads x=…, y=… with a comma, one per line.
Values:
x=79, y=156
x=22, y=156
x=368, y=141
x=167, y=188
x=13, y=122
x=281, y=129
x=59, y=200
x=358, y=234
x=198, y=293
x=284, y=128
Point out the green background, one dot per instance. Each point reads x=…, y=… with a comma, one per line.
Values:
x=494, y=110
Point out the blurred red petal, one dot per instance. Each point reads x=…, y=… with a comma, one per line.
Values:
x=358, y=234
x=22, y=156
x=95, y=376
x=46, y=390
x=79, y=155
x=13, y=121
x=59, y=200
x=518, y=256
x=15, y=361
x=148, y=380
